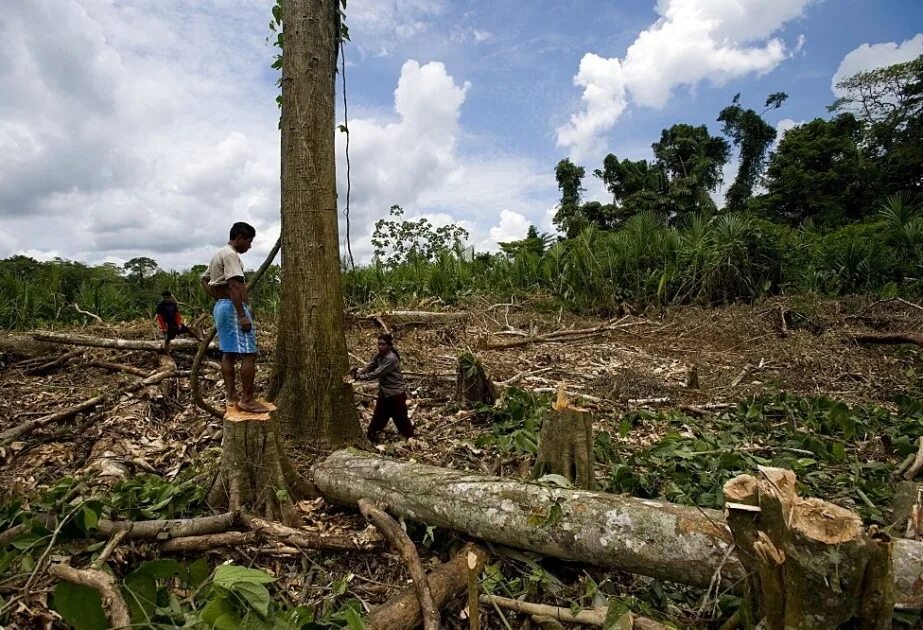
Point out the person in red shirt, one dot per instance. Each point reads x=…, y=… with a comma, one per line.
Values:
x=170, y=321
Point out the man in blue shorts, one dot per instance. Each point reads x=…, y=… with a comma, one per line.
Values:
x=224, y=281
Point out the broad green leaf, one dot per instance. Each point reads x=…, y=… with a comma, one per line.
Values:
x=227, y=575
x=255, y=595
x=354, y=619
x=80, y=606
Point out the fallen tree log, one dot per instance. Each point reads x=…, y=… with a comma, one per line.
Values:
x=27, y=427
x=187, y=345
x=655, y=538
x=446, y=581
x=559, y=336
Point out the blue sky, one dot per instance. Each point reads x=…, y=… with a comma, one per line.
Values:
x=130, y=127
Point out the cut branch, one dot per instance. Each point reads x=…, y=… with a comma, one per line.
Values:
x=445, y=581
x=57, y=362
x=104, y=583
x=27, y=427
x=408, y=552
x=398, y=319
x=168, y=528
x=311, y=540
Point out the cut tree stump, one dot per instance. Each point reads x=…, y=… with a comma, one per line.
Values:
x=472, y=385
x=255, y=475
x=810, y=563
x=565, y=445
x=671, y=542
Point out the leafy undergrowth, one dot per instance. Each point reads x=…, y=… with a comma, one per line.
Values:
x=841, y=453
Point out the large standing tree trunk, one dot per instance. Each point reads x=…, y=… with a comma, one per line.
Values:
x=314, y=403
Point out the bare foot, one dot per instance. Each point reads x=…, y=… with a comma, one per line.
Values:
x=252, y=406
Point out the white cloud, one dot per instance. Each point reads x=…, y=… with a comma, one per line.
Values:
x=412, y=159
x=692, y=41
x=784, y=125
x=871, y=56
x=134, y=128
x=512, y=227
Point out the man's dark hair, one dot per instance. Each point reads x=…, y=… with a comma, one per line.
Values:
x=166, y=294
x=242, y=229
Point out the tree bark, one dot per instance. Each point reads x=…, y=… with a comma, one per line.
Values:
x=472, y=386
x=446, y=581
x=163, y=529
x=310, y=358
x=565, y=445
x=655, y=538
x=255, y=476
x=810, y=563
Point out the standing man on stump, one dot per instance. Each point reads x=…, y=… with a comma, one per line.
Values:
x=224, y=281
x=391, y=403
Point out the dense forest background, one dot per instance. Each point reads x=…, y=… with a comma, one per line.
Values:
x=833, y=208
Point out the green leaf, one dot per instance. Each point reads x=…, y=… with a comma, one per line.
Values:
x=161, y=569
x=354, y=619
x=219, y=613
x=227, y=575
x=198, y=572
x=140, y=592
x=80, y=606
x=255, y=595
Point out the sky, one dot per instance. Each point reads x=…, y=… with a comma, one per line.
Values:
x=145, y=128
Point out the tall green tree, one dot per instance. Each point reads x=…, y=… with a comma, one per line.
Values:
x=310, y=361
x=570, y=182
x=140, y=268
x=818, y=172
x=752, y=136
x=889, y=103
x=692, y=160
x=636, y=186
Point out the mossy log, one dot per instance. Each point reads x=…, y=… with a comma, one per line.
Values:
x=565, y=445
x=663, y=540
x=472, y=385
x=255, y=475
x=810, y=563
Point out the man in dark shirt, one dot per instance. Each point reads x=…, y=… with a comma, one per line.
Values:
x=391, y=403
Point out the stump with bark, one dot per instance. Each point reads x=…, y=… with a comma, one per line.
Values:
x=809, y=563
x=565, y=445
x=256, y=476
x=473, y=386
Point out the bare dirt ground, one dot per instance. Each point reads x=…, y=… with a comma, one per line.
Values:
x=645, y=361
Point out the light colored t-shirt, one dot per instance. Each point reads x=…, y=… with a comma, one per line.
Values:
x=225, y=264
